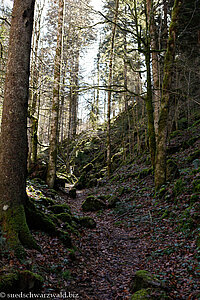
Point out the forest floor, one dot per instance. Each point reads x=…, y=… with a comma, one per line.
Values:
x=144, y=231
x=137, y=234
x=141, y=233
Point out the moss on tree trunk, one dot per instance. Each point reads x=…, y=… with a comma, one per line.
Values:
x=13, y=141
x=160, y=165
x=16, y=231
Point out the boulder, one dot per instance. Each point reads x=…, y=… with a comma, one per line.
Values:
x=146, y=286
x=93, y=204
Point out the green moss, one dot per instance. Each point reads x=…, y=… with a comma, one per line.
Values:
x=29, y=281
x=142, y=280
x=60, y=208
x=9, y=282
x=143, y=294
x=16, y=230
x=65, y=217
x=93, y=204
x=38, y=220
x=22, y=281
x=71, y=229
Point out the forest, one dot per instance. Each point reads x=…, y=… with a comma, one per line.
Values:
x=100, y=149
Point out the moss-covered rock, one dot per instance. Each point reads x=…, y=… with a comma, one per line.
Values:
x=143, y=280
x=87, y=222
x=29, y=281
x=65, y=217
x=37, y=219
x=60, y=208
x=22, y=281
x=147, y=286
x=93, y=204
x=9, y=282
x=172, y=171
x=143, y=294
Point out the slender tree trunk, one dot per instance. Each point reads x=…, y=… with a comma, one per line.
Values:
x=51, y=173
x=13, y=142
x=150, y=110
x=33, y=144
x=160, y=166
x=109, y=87
x=75, y=94
x=155, y=72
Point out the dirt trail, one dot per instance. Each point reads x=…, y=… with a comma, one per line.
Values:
x=106, y=262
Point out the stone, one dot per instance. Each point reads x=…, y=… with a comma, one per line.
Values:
x=93, y=204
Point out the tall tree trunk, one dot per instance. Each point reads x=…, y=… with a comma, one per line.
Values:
x=75, y=95
x=154, y=56
x=149, y=97
x=13, y=142
x=33, y=139
x=160, y=166
x=51, y=172
x=109, y=87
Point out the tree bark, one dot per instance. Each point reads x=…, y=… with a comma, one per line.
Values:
x=149, y=97
x=109, y=87
x=160, y=166
x=51, y=172
x=154, y=56
x=13, y=142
